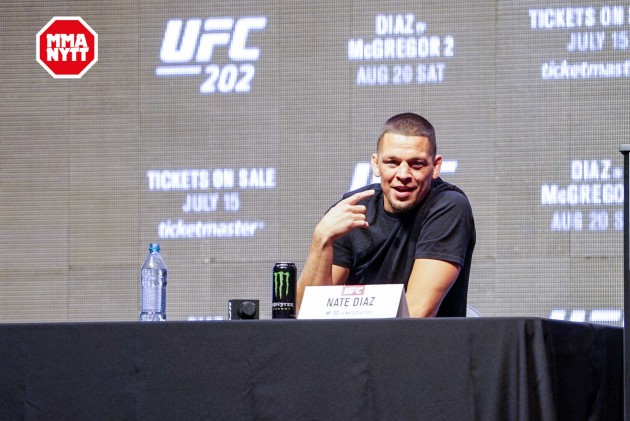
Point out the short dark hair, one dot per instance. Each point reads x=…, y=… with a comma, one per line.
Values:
x=409, y=124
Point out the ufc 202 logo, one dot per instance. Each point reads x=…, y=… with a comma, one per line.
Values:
x=189, y=46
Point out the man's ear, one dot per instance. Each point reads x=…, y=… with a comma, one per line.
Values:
x=437, y=165
x=374, y=163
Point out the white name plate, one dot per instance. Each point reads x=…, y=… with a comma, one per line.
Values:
x=382, y=301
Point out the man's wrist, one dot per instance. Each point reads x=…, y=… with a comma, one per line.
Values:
x=321, y=239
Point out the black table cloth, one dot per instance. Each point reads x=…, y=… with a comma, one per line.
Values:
x=450, y=369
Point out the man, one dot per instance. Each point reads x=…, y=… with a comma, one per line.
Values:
x=413, y=228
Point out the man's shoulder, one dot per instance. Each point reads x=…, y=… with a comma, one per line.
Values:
x=444, y=193
x=439, y=186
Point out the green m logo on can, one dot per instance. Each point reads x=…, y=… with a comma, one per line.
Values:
x=281, y=284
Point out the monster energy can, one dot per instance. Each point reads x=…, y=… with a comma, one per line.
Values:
x=283, y=297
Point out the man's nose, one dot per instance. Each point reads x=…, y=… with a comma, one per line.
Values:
x=403, y=170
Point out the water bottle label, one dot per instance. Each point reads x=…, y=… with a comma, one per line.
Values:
x=153, y=293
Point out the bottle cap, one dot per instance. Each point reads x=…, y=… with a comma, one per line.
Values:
x=154, y=247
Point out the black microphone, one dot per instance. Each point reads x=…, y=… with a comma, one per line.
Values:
x=243, y=309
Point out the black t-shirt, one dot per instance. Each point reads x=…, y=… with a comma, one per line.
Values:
x=441, y=227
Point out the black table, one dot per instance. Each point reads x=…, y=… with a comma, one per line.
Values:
x=451, y=369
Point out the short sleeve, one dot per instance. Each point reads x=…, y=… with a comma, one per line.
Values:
x=342, y=252
x=447, y=228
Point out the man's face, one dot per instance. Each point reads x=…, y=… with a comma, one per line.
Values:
x=406, y=168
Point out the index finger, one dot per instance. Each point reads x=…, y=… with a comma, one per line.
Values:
x=357, y=197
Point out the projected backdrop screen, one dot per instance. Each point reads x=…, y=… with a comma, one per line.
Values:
x=224, y=131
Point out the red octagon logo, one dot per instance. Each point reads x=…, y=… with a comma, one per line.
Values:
x=67, y=47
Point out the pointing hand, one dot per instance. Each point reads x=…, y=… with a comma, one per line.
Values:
x=344, y=217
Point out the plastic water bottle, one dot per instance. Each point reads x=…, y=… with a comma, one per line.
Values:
x=153, y=282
